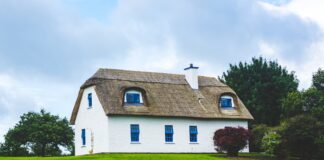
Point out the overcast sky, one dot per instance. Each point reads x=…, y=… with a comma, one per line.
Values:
x=49, y=48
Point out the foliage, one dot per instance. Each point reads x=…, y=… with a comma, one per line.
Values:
x=302, y=136
x=310, y=101
x=270, y=142
x=318, y=79
x=38, y=134
x=319, y=141
x=261, y=85
x=231, y=139
x=293, y=105
x=257, y=133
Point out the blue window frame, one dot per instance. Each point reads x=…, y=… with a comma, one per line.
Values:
x=226, y=103
x=83, y=137
x=133, y=98
x=90, y=100
x=135, y=131
x=193, y=132
x=168, y=133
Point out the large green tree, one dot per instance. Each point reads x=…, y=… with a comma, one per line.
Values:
x=318, y=79
x=310, y=101
x=40, y=134
x=261, y=85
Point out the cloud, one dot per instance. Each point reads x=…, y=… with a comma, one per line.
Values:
x=49, y=48
x=309, y=12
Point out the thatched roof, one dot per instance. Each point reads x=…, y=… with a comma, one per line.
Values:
x=165, y=94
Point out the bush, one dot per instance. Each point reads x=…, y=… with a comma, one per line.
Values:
x=257, y=133
x=320, y=145
x=231, y=140
x=302, y=136
x=270, y=142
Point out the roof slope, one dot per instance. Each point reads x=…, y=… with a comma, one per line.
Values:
x=166, y=95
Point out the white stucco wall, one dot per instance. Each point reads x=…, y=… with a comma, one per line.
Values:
x=95, y=121
x=152, y=134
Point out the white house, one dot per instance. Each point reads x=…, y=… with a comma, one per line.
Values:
x=147, y=112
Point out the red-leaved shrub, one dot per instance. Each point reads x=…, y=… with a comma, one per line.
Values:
x=231, y=139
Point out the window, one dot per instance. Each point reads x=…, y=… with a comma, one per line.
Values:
x=134, y=132
x=168, y=133
x=83, y=137
x=226, y=102
x=90, y=100
x=193, y=133
x=133, y=97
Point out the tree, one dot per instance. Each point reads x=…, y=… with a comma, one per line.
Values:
x=293, y=104
x=310, y=101
x=261, y=85
x=231, y=139
x=318, y=79
x=39, y=133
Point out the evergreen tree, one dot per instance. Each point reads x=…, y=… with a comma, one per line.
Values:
x=261, y=85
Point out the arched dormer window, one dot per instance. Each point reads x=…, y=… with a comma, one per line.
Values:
x=226, y=102
x=133, y=97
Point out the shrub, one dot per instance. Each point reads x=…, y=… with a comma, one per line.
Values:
x=302, y=136
x=257, y=133
x=320, y=145
x=231, y=139
x=270, y=142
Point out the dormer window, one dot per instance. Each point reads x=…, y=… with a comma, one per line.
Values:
x=133, y=97
x=226, y=102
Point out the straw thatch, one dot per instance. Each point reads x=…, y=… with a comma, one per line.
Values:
x=164, y=95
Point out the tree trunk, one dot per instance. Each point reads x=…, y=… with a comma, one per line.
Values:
x=43, y=150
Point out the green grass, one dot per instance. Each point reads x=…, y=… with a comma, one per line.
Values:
x=150, y=157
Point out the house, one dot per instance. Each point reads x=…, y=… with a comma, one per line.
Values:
x=147, y=112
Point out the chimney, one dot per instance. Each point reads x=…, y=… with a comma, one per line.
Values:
x=191, y=74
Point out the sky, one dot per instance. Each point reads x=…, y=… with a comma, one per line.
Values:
x=49, y=48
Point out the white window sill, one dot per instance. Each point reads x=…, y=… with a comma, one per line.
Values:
x=89, y=108
x=193, y=142
x=169, y=142
x=135, y=143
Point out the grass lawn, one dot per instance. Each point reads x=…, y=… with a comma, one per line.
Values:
x=249, y=156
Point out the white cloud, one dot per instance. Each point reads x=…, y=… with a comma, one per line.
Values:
x=309, y=10
x=19, y=94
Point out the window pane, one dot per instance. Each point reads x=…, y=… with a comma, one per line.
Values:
x=169, y=129
x=193, y=131
x=83, y=136
x=90, y=100
x=168, y=133
x=133, y=98
x=134, y=132
x=226, y=102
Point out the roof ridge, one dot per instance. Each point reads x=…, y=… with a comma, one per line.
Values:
x=124, y=70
